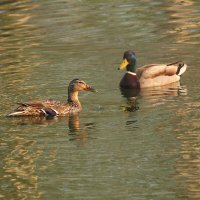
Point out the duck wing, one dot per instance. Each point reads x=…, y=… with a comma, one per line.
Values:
x=40, y=108
x=154, y=70
x=37, y=105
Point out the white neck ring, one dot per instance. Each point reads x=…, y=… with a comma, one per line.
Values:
x=132, y=73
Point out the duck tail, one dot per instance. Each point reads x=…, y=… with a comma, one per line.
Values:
x=16, y=114
x=181, y=69
x=46, y=112
x=19, y=111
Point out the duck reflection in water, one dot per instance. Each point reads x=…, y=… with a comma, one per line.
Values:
x=132, y=96
x=75, y=130
x=159, y=94
x=40, y=120
x=154, y=95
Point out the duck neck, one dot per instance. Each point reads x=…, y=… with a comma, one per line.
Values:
x=132, y=66
x=73, y=98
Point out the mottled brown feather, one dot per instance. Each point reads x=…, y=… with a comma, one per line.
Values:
x=53, y=107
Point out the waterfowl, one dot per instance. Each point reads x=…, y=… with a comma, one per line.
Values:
x=55, y=108
x=151, y=75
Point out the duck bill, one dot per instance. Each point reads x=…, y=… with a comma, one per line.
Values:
x=123, y=64
x=91, y=89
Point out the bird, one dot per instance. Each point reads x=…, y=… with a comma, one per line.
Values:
x=52, y=108
x=151, y=75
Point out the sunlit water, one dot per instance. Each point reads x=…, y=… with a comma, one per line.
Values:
x=118, y=147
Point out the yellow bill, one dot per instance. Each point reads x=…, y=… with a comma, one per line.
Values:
x=123, y=64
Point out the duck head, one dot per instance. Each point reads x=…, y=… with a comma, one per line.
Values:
x=129, y=61
x=77, y=85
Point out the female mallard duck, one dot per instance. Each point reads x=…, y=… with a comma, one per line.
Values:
x=55, y=108
x=149, y=75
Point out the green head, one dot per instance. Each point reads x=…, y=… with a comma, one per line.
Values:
x=129, y=61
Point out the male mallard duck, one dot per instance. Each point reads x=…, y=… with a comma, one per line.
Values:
x=55, y=108
x=149, y=75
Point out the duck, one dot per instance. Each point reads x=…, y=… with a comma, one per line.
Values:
x=151, y=75
x=52, y=108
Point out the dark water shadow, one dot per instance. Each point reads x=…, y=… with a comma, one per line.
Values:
x=160, y=94
x=74, y=129
x=78, y=131
x=132, y=96
x=153, y=95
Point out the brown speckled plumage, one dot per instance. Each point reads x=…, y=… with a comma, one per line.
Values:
x=52, y=107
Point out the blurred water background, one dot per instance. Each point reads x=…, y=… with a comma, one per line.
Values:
x=118, y=147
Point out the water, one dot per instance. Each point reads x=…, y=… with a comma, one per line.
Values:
x=117, y=148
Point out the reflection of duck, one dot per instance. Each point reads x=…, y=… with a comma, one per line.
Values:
x=132, y=97
x=74, y=123
x=132, y=105
x=173, y=89
x=155, y=95
x=41, y=120
x=55, y=108
x=75, y=130
x=130, y=93
x=149, y=75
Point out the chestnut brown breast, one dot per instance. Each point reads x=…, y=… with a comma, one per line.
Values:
x=130, y=81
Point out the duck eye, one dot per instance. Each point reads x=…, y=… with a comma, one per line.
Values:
x=81, y=82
